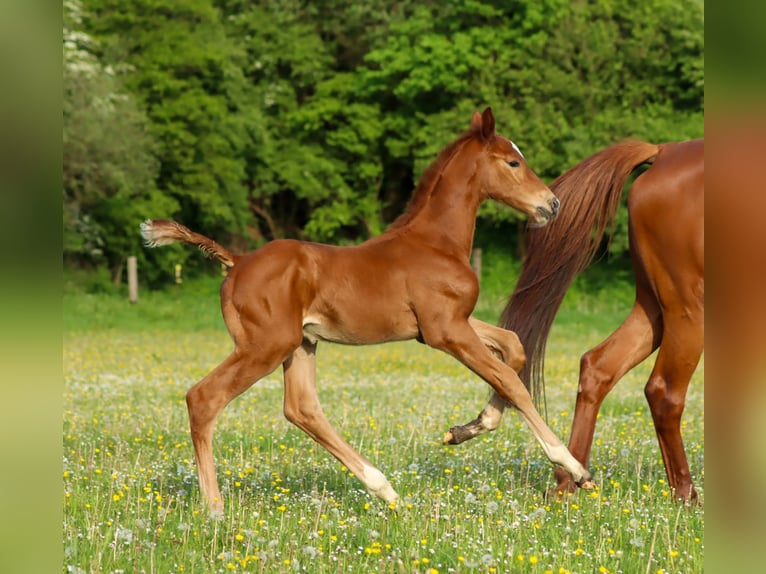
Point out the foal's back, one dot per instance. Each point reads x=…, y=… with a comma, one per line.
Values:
x=360, y=294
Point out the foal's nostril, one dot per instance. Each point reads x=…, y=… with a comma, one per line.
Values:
x=555, y=204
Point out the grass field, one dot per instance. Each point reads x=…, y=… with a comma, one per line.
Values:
x=132, y=504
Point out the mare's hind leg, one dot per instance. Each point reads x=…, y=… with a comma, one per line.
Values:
x=506, y=345
x=600, y=370
x=302, y=408
x=666, y=393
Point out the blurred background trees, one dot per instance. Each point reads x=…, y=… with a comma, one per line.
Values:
x=254, y=120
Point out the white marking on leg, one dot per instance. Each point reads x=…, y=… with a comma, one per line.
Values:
x=560, y=455
x=378, y=485
x=490, y=417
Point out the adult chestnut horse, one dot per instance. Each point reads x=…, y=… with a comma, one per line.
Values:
x=666, y=226
x=412, y=282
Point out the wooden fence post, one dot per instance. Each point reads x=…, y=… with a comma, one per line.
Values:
x=476, y=262
x=133, y=279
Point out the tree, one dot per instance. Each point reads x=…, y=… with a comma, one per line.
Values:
x=282, y=118
x=108, y=163
x=181, y=66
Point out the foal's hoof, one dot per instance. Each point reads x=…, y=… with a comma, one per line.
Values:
x=456, y=435
x=587, y=484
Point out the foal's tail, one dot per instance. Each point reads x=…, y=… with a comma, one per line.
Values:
x=157, y=232
x=589, y=194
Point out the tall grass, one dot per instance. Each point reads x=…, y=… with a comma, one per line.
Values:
x=131, y=499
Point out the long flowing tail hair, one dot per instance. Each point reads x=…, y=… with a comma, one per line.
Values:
x=590, y=194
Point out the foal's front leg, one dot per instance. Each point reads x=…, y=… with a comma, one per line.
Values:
x=457, y=338
x=302, y=408
x=506, y=345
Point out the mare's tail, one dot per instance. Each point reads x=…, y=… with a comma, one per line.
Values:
x=157, y=232
x=589, y=194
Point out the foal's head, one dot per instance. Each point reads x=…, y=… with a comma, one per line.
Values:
x=503, y=173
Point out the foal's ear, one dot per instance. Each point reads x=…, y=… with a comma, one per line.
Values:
x=487, y=123
x=483, y=124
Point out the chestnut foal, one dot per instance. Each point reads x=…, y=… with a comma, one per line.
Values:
x=412, y=282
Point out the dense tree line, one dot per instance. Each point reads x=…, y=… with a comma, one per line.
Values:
x=251, y=120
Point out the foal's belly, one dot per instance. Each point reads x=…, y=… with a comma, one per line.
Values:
x=364, y=331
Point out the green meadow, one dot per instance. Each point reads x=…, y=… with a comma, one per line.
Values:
x=132, y=503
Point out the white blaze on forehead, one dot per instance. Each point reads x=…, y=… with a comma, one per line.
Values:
x=518, y=151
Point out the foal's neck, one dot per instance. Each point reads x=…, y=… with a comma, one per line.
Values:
x=448, y=219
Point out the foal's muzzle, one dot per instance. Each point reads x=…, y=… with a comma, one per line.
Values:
x=550, y=214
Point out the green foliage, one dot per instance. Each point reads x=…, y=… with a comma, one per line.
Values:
x=109, y=169
x=255, y=120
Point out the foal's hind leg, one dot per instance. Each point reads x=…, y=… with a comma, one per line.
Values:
x=207, y=399
x=506, y=345
x=302, y=408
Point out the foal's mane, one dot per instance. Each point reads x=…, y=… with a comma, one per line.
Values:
x=429, y=179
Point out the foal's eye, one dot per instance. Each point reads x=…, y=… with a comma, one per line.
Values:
x=514, y=163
